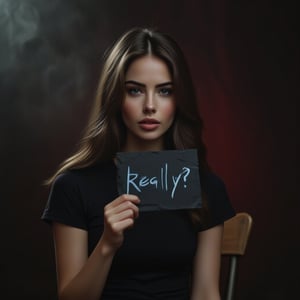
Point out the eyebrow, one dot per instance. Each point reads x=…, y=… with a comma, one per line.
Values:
x=143, y=85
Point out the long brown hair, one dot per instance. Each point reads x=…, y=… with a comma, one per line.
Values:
x=105, y=133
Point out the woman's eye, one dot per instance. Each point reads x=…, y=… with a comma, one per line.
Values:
x=165, y=91
x=134, y=91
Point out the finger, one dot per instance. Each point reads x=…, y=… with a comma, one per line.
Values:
x=122, y=207
x=127, y=214
x=125, y=197
x=122, y=225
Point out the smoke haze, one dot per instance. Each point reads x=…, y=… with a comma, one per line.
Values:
x=44, y=53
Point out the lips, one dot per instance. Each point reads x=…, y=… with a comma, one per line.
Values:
x=149, y=121
x=149, y=124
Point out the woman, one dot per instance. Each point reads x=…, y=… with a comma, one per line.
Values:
x=106, y=249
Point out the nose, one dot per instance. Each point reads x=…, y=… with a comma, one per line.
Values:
x=149, y=105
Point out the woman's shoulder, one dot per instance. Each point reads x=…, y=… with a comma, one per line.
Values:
x=212, y=181
x=77, y=175
x=218, y=201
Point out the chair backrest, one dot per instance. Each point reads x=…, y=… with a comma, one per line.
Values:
x=235, y=239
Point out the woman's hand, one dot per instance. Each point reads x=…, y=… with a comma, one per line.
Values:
x=118, y=216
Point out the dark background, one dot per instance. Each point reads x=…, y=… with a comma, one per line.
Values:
x=244, y=58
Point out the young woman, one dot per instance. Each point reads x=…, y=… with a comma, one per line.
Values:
x=106, y=249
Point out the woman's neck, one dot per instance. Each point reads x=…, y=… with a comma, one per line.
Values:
x=144, y=146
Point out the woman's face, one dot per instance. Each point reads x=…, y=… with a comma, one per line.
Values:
x=149, y=107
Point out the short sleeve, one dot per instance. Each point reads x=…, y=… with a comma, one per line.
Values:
x=64, y=203
x=219, y=206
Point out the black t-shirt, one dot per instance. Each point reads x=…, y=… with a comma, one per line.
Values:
x=155, y=260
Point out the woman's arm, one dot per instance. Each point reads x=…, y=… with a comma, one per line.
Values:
x=206, y=272
x=80, y=277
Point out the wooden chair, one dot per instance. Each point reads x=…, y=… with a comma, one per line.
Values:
x=235, y=238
